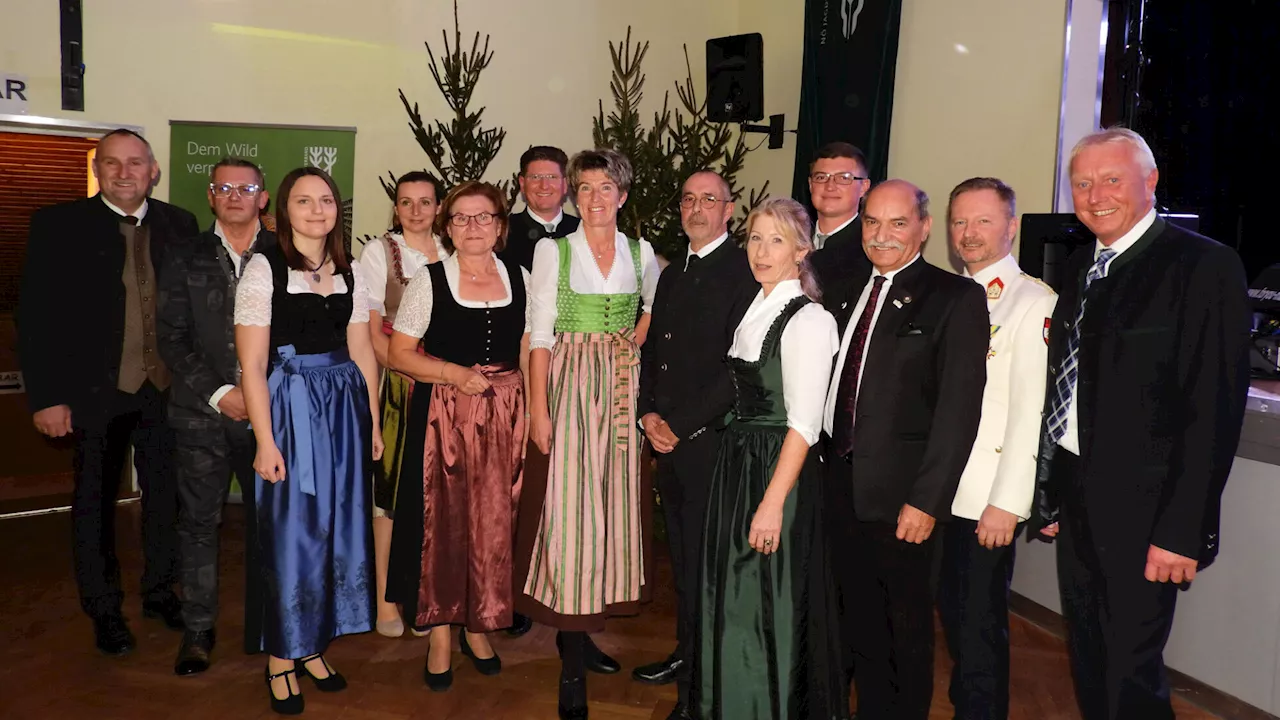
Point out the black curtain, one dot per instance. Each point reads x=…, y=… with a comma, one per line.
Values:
x=846, y=91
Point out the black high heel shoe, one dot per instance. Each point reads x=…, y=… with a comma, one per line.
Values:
x=333, y=682
x=291, y=705
x=437, y=682
x=573, y=698
x=486, y=666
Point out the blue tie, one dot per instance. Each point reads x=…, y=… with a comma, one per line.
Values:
x=1066, y=380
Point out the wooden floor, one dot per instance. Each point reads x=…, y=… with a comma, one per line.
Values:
x=49, y=668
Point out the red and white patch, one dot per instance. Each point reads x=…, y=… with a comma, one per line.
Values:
x=994, y=288
x=1047, y=323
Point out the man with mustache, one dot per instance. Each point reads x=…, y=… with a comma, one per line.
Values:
x=543, y=185
x=902, y=413
x=994, y=496
x=685, y=391
x=837, y=183
x=87, y=339
x=1147, y=383
x=196, y=334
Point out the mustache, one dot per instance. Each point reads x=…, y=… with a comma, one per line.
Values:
x=887, y=245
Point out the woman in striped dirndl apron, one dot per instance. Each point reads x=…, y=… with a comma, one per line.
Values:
x=588, y=291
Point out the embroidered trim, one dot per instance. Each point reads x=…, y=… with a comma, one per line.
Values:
x=397, y=261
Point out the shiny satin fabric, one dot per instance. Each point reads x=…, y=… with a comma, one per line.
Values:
x=315, y=538
x=394, y=394
x=471, y=480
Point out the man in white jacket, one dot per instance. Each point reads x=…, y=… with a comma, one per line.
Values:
x=995, y=490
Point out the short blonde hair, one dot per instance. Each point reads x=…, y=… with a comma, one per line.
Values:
x=793, y=220
x=1117, y=135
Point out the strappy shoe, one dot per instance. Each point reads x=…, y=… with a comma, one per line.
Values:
x=291, y=705
x=333, y=682
x=485, y=666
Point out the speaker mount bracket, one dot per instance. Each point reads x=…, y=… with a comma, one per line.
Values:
x=774, y=130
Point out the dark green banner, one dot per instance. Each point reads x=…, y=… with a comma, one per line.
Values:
x=846, y=91
x=195, y=147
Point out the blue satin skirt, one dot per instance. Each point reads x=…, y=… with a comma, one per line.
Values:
x=314, y=527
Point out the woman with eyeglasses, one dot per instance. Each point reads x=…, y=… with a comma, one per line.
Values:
x=309, y=379
x=470, y=314
x=592, y=293
x=389, y=264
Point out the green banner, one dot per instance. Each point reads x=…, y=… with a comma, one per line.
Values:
x=195, y=147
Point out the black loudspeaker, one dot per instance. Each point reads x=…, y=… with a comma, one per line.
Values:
x=72, y=55
x=1046, y=241
x=735, y=78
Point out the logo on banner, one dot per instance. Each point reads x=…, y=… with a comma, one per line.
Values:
x=322, y=157
x=849, y=15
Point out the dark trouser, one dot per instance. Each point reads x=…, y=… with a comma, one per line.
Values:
x=205, y=459
x=684, y=482
x=973, y=601
x=137, y=420
x=1117, y=621
x=888, y=605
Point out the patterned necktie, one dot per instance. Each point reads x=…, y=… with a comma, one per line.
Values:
x=847, y=394
x=1065, y=383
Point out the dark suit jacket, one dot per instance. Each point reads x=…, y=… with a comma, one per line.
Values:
x=921, y=395
x=1162, y=385
x=71, y=311
x=523, y=233
x=196, y=325
x=840, y=263
x=683, y=376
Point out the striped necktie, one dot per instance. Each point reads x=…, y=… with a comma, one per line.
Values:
x=1065, y=383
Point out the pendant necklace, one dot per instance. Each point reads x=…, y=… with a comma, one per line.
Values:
x=315, y=272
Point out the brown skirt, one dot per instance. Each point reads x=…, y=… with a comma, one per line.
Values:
x=471, y=484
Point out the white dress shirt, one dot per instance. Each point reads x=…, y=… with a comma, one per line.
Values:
x=828, y=420
x=140, y=213
x=549, y=225
x=705, y=251
x=585, y=278
x=1070, y=439
x=808, y=344
x=373, y=261
x=414, y=316
x=820, y=238
x=236, y=260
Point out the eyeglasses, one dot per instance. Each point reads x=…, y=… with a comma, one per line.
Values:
x=707, y=201
x=547, y=177
x=460, y=220
x=844, y=178
x=225, y=189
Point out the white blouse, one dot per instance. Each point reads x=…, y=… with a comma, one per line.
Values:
x=809, y=344
x=414, y=316
x=253, y=294
x=374, y=261
x=585, y=278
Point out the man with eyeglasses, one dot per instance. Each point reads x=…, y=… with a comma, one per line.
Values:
x=685, y=391
x=206, y=408
x=86, y=335
x=543, y=185
x=837, y=182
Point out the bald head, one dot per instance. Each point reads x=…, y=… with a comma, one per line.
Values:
x=895, y=224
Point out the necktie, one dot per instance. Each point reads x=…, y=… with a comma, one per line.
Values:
x=1065, y=383
x=693, y=260
x=847, y=394
x=819, y=239
x=129, y=220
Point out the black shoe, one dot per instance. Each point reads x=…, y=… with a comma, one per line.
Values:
x=660, y=673
x=194, y=652
x=167, y=608
x=594, y=658
x=291, y=704
x=520, y=625
x=573, y=698
x=333, y=682
x=111, y=634
x=437, y=682
x=486, y=666
x=680, y=712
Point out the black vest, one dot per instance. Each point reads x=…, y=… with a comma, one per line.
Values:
x=475, y=336
x=311, y=323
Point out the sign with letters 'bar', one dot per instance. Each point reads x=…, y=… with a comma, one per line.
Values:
x=846, y=92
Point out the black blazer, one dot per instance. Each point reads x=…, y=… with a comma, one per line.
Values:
x=1161, y=391
x=523, y=233
x=683, y=376
x=839, y=263
x=71, y=310
x=921, y=395
x=196, y=325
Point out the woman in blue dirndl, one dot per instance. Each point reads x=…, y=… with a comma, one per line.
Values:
x=309, y=379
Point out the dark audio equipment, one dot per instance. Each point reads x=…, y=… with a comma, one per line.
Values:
x=1046, y=241
x=735, y=78
x=72, y=55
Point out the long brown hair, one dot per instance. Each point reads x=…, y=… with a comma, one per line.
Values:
x=334, y=247
x=472, y=188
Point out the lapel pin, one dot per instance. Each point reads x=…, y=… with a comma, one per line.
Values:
x=897, y=304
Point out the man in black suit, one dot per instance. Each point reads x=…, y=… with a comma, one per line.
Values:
x=196, y=334
x=902, y=415
x=543, y=185
x=685, y=391
x=837, y=183
x=1147, y=383
x=86, y=333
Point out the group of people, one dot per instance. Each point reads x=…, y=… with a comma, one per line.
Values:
x=448, y=430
